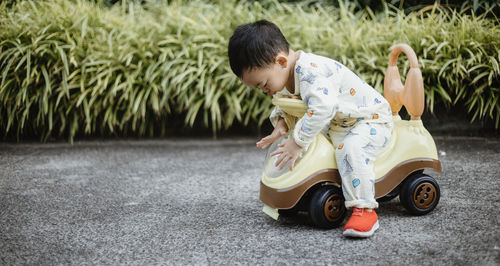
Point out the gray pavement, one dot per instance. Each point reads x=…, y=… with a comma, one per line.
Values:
x=196, y=202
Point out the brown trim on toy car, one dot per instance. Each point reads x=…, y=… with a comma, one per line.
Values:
x=399, y=173
x=287, y=198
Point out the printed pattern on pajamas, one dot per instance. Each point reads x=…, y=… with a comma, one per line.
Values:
x=349, y=111
x=357, y=149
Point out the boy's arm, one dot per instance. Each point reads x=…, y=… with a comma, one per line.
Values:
x=280, y=129
x=320, y=95
x=276, y=115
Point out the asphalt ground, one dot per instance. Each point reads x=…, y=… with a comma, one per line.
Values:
x=196, y=202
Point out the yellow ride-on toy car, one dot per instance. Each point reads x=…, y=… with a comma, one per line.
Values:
x=314, y=185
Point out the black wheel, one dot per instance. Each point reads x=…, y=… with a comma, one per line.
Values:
x=289, y=212
x=327, y=208
x=394, y=193
x=420, y=194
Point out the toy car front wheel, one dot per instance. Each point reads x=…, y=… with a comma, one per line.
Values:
x=289, y=212
x=420, y=194
x=326, y=208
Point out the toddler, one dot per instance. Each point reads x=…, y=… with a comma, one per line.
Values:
x=342, y=106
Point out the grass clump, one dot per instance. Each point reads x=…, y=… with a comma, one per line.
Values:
x=74, y=68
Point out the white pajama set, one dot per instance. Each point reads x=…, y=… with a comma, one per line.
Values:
x=351, y=113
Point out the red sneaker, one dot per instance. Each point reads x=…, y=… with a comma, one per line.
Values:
x=362, y=223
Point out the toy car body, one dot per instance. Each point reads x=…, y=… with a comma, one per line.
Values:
x=314, y=184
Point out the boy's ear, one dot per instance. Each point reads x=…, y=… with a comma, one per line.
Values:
x=281, y=60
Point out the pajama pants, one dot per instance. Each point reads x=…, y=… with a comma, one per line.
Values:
x=357, y=149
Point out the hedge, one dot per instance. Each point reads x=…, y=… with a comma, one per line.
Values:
x=77, y=68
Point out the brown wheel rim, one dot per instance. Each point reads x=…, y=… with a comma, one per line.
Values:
x=425, y=195
x=333, y=208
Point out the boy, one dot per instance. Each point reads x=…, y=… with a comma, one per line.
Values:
x=356, y=117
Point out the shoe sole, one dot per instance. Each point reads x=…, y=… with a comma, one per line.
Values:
x=354, y=233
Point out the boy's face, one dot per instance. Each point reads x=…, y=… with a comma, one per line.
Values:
x=270, y=79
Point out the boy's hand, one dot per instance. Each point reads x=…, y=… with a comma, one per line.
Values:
x=279, y=131
x=289, y=151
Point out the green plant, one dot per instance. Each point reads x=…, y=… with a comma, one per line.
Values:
x=74, y=68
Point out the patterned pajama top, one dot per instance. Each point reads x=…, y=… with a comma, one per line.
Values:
x=335, y=97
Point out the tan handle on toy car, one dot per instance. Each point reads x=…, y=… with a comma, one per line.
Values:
x=411, y=95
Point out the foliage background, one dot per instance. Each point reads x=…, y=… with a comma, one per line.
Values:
x=80, y=68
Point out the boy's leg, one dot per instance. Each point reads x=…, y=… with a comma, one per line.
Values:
x=355, y=156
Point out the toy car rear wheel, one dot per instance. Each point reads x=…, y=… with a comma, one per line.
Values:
x=394, y=193
x=326, y=208
x=420, y=194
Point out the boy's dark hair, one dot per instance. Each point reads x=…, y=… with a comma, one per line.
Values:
x=255, y=45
